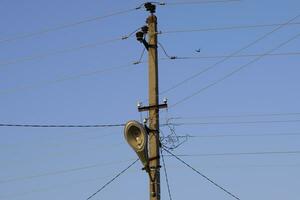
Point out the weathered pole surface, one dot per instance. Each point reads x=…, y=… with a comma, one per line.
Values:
x=154, y=153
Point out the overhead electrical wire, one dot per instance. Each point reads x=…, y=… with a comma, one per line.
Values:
x=233, y=54
x=224, y=28
x=67, y=50
x=201, y=174
x=175, y=123
x=98, y=18
x=64, y=171
x=234, y=122
x=175, y=3
x=57, y=186
x=112, y=180
x=67, y=78
x=84, y=74
x=62, y=126
x=64, y=26
x=239, y=154
x=228, y=56
x=235, y=71
x=60, y=186
x=238, y=135
x=241, y=115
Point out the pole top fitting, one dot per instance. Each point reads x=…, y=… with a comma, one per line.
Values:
x=150, y=7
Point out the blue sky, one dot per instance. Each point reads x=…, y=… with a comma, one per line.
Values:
x=58, y=86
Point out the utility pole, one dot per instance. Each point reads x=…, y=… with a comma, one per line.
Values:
x=139, y=136
x=154, y=144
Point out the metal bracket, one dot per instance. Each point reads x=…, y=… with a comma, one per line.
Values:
x=147, y=108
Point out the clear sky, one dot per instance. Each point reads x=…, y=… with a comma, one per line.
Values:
x=54, y=78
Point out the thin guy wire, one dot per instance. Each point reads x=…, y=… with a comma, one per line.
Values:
x=113, y=179
x=166, y=174
x=235, y=71
x=62, y=126
x=225, y=28
x=201, y=174
x=225, y=59
x=29, y=35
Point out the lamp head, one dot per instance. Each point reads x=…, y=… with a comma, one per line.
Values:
x=137, y=137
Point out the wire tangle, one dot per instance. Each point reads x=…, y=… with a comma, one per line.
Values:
x=201, y=174
x=112, y=180
x=172, y=141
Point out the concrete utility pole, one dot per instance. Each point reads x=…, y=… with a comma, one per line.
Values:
x=138, y=135
x=154, y=153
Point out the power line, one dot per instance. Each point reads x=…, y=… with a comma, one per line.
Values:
x=166, y=174
x=64, y=171
x=64, y=26
x=238, y=135
x=226, y=28
x=113, y=179
x=235, y=71
x=59, y=186
x=80, y=75
x=241, y=115
x=62, y=51
x=201, y=174
x=98, y=18
x=18, y=88
x=235, y=122
x=240, y=154
x=233, y=54
x=62, y=126
x=228, y=56
x=197, y=2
